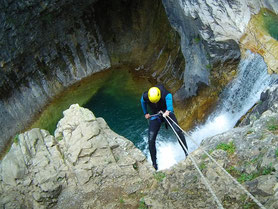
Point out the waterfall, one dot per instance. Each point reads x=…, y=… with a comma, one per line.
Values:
x=235, y=100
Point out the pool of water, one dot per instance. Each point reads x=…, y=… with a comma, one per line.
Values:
x=79, y=93
x=115, y=96
x=270, y=21
x=118, y=102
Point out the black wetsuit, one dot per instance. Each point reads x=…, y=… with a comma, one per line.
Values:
x=165, y=103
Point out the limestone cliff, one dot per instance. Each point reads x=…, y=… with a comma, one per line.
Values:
x=43, y=50
x=214, y=38
x=86, y=165
x=47, y=46
x=210, y=34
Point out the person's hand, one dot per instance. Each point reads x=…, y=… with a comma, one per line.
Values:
x=166, y=113
x=147, y=116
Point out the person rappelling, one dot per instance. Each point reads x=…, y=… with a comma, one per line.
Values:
x=159, y=101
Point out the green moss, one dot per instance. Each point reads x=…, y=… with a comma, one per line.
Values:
x=196, y=40
x=262, y=171
x=159, y=176
x=268, y=170
x=202, y=166
x=272, y=124
x=211, y=151
x=247, y=177
x=230, y=147
x=273, y=127
x=276, y=153
x=122, y=201
x=16, y=139
x=142, y=204
x=195, y=179
x=204, y=156
x=233, y=171
x=247, y=203
x=209, y=66
x=135, y=166
x=255, y=160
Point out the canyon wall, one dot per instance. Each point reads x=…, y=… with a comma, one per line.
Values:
x=47, y=46
x=193, y=47
x=210, y=35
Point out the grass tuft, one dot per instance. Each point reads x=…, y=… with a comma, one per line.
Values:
x=159, y=176
x=142, y=204
x=202, y=166
x=230, y=147
x=16, y=139
x=272, y=125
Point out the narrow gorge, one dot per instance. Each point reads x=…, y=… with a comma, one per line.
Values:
x=73, y=134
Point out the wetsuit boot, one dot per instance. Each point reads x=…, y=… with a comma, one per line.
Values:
x=153, y=130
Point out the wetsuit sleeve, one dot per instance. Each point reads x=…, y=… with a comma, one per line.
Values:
x=144, y=105
x=169, y=102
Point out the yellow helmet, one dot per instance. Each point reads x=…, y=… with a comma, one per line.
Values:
x=154, y=94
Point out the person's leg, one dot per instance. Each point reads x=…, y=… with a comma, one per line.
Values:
x=153, y=130
x=179, y=132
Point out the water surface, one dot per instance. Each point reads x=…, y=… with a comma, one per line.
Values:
x=270, y=21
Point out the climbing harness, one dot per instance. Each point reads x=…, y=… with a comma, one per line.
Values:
x=208, y=186
x=196, y=166
x=160, y=113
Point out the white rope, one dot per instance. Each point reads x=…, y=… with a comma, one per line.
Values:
x=223, y=169
x=196, y=166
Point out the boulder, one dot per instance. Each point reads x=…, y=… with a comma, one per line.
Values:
x=84, y=157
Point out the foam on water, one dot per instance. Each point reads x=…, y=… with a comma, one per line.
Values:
x=169, y=152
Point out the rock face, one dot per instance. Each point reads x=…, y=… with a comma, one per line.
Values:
x=210, y=33
x=262, y=39
x=47, y=46
x=44, y=51
x=268, y=101
x=86, y=165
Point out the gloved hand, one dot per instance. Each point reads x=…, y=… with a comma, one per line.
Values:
x=166, y=113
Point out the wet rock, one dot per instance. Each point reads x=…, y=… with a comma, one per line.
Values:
x=268, y=101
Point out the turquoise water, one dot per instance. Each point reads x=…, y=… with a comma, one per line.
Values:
x=118, y=102
x=122, y=112
x=271, y=23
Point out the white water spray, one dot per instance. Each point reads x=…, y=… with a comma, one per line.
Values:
x=236, y=99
